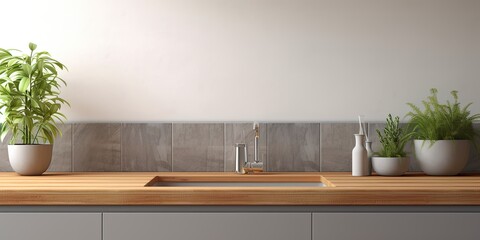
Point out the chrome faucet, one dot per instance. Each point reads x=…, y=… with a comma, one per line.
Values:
x=242, y=165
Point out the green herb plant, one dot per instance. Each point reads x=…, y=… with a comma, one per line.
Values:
x=442, y=121
x=29, y=96
x=393, y=139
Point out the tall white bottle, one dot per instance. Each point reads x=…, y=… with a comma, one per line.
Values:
x=360, y=157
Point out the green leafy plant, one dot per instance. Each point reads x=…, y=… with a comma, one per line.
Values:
x=393, y=139
x=442, y=121
x=29, y=96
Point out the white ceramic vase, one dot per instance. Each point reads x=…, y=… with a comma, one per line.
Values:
x=390, y=166
x=359, y=157
x=30, y=160
x=443, y=157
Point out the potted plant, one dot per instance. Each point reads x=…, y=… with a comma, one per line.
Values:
x=443, y=133
x=30, y=104
x=392, y=160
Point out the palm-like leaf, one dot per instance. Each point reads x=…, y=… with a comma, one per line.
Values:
x=29, y=96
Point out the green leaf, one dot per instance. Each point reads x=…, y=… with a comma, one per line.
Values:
x=12, y=62
x=51, y=68
x=47, y=134
x=32, y=46
x=5, y=131
x=27, y=69
x=5, y=52
x=24, y=84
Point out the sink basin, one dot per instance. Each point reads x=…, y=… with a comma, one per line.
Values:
x=236, y=181
x=237, y=184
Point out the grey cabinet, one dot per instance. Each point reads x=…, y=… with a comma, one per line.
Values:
x=51, y=226
x=396, y=226
x=207, y=226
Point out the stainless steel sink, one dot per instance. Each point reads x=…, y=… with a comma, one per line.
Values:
x=237, y=184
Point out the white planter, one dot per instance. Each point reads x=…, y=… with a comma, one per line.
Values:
x=390, y=166
x=30, y=160
x=444, y=157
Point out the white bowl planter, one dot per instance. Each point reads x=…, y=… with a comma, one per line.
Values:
x=30, y=160
x=390, y=166
x=444, y=157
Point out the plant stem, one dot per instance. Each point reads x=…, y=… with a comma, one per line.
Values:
x=36, y=134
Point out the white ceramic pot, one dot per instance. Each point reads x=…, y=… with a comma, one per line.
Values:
x=444, y=157
x=30, y=160
x=390, y=166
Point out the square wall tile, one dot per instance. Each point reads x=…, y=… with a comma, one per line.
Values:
x=96, y=147
x=62, y=150
x=293, y=147
x=244, y=133
x=337, y=143
x=147, y=147
x=198, y=147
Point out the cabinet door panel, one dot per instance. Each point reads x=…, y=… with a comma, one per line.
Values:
x=51, y=226
x=207, y=226
x=396, y=226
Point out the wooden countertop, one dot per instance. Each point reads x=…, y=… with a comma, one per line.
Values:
x=342, y=189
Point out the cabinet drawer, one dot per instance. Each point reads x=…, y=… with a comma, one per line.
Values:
x=396, y=226
x=51, y=226
x=207, y=226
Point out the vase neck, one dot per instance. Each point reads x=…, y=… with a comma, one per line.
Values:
x=359, y=139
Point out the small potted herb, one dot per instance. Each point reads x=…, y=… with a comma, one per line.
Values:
x=392, y=160
x=30, y=104
x=443, y=133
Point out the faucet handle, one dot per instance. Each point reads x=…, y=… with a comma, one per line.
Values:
x=254, y=167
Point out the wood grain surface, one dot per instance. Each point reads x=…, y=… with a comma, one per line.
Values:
x=129, y=188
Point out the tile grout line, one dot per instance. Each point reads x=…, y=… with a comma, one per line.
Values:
x=266, y=147
x=121, y=147
x=224, y=149
x=224, y=139
x=320, y=147
x=72, y=148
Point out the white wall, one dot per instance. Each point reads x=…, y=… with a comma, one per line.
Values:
x=268, y=60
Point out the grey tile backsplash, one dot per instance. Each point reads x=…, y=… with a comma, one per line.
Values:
x=96, y=147
x=198, y=147
x=308, y=147
x=146, y=147
x=293, y=147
